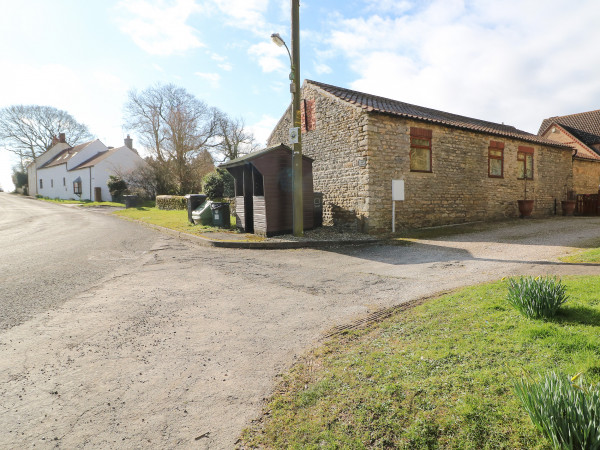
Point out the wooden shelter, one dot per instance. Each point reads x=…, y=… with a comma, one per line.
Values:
x=263, y=191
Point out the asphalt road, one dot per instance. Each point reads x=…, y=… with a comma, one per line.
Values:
x=50, y=252
x=177, y=346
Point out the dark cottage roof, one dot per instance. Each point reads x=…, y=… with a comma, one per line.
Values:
x=250, y=156
x=65, y=155
x=97, y=158
x=397, y=108
x=585, y=127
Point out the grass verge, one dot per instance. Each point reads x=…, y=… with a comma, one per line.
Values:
x=175, y=220
x=591, y=255
x=434, y=376
x=79, y=202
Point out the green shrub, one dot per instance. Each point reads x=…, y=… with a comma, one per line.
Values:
x=536, y=298
x=171, y=202
x=117, y=188
x=218, y=184
x=566, y=412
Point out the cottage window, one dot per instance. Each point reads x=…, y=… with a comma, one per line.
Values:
x=420, y=150
x=64, y=181
x=496, y=160
x=41, y=184
x=525, y=163
x=77, y=187
x=52, y=183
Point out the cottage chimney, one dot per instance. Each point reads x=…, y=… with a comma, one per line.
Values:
x=55, y=141
x=129, y=142
x=62, y=138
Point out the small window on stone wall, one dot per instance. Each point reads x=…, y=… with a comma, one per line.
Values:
x=420, y=149
x=41, y=184
x=525, y=163
x=52, y=183
x=496, y=160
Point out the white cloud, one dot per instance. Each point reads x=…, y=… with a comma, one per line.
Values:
x=269, y=56
x=322, y=69
x=505, y=61
x=263, y=128
x=226, y=66
x=212, y=78
x=391, y=6
x=246, y=14
x=160, y=28
x=217, y=57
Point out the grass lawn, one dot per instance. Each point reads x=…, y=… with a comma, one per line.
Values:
x=592, y=255
x=439, y=375
x=175, y=220
x=80, y=202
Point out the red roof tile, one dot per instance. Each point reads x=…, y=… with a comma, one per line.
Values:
x=394, y=107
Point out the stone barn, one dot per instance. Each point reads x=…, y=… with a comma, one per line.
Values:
x=455, y=169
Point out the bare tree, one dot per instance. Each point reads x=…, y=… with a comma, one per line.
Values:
x=231, y=140
x=28, y=130
x=174, y=126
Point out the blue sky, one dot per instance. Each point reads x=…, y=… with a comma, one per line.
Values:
x=512, y=61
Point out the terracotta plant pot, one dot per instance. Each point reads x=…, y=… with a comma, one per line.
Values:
x=525, y=208
x=568, y=207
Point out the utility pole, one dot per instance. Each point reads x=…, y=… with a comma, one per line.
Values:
x=297, y=188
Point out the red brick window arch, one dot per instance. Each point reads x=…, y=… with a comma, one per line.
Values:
x=496, y=159
x=420, y=149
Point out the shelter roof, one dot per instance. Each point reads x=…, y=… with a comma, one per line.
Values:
x=258, y=154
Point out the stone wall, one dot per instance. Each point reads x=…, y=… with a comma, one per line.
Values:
x=358, y=154
x=458, y=189
x=586, y=173
x=338, y=144
x=586, y=176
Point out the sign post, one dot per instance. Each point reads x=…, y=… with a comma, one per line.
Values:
x=397, y=195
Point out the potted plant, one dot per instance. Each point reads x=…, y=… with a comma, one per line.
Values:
x=525, y=206
x=568, y=205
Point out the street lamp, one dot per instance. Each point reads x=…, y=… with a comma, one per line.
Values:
x=281, y=43
x=295, y=132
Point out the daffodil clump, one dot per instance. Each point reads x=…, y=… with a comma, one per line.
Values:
x=536, y=298
x=566, y=411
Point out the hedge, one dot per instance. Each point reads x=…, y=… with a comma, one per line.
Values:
x=170, y=202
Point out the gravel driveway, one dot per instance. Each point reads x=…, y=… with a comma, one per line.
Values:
x=180, y=348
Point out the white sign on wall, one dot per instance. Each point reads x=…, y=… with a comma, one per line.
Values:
x=398, y=190
x=397, y=195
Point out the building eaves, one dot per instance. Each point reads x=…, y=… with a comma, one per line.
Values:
x=373, y=103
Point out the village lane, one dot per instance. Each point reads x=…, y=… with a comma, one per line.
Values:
x=180, y=347
x=50, y=252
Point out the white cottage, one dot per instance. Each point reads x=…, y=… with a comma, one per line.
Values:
x=80, y=172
